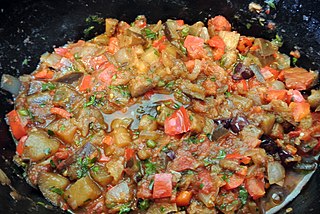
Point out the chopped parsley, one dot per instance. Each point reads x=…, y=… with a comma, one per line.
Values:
x=294, y=60
x=50, y=132
x=144, y=204
x=49, y=86
x=150, y=167
x=185, y=31
x=227, y=94
x=125, y=208
x=52, y=164
x=170, y=84
x=23, y=112
x=222, y=154
x=95, y=18
x=92, y=100
x=25, y=62
x=151, y=143
x=87, y=30
x=270, y=3
x=243, y=195
x=84, y=165
x=201, y=186
x=150, y=34
x=56, y=190
x=277, y=41
x=123, y=89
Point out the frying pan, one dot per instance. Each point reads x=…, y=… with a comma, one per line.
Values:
x=28, y=28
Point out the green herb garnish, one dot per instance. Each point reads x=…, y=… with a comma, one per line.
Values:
x=150, y=167
x=243, y=195
x=49, y=86
x=185, y=31
x=124, y=209
x=144, y=205
x=222, y=154
x=150, y=34
x=87, y=30
x=277, y=41
x=92, y=100
x=270, y=3
x=56, y=190
x=94, y=18
x=151, y=144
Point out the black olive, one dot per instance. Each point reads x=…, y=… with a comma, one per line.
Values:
x=284, y=156
x=171, y=154
x=238, y=123
x=268, y=144
x=237, y=76
x=241, y=71
x=247, y=73
x=224, y=122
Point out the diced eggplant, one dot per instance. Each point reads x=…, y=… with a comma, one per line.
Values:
x=70, y=78
x=115, y=168
x=66, y=97
x=267, y=122
x=64, y=129
x=147, y=122
x=124, y=122
x=121, y=137
x=314, y=98
x=110, y=26
x=230, y=39
x=87, y=116
x=123, y=56
x=150, y=56
x=140, y=85
x=52, y=186
x=39, y=146
x=196, y=28
x=119, y=194
x=10, y=84
x=170, y=30
x=193, y=90
x=266, y=48
x=101, y=175
x=81, y=192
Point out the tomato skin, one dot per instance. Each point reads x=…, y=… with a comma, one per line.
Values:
x=18, y=130
x=128, y=154
x=162, y=185
x=234, y=181
x=255, y=187
x=219, y=23
x=20, y=146
x=299, y=110
x=61, y=112
x=183, y=198
x=178, y=122
x=194, y=46
x=240, y=158
x=85, y=83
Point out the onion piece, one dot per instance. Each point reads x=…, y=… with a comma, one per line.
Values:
x=10, y=84
x=276, y=172
x=257, y=73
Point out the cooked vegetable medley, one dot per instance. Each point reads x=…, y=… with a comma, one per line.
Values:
x=164, y=118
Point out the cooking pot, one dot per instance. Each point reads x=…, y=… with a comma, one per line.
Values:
x=28, y=28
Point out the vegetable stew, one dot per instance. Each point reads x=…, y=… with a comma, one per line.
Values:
x=165, y=118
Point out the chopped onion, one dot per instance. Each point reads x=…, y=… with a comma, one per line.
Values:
x=276, y=172
x=10, y=84
x=257, y=73
x=206, y=199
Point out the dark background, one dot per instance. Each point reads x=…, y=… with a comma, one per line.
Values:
x=28, y=28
